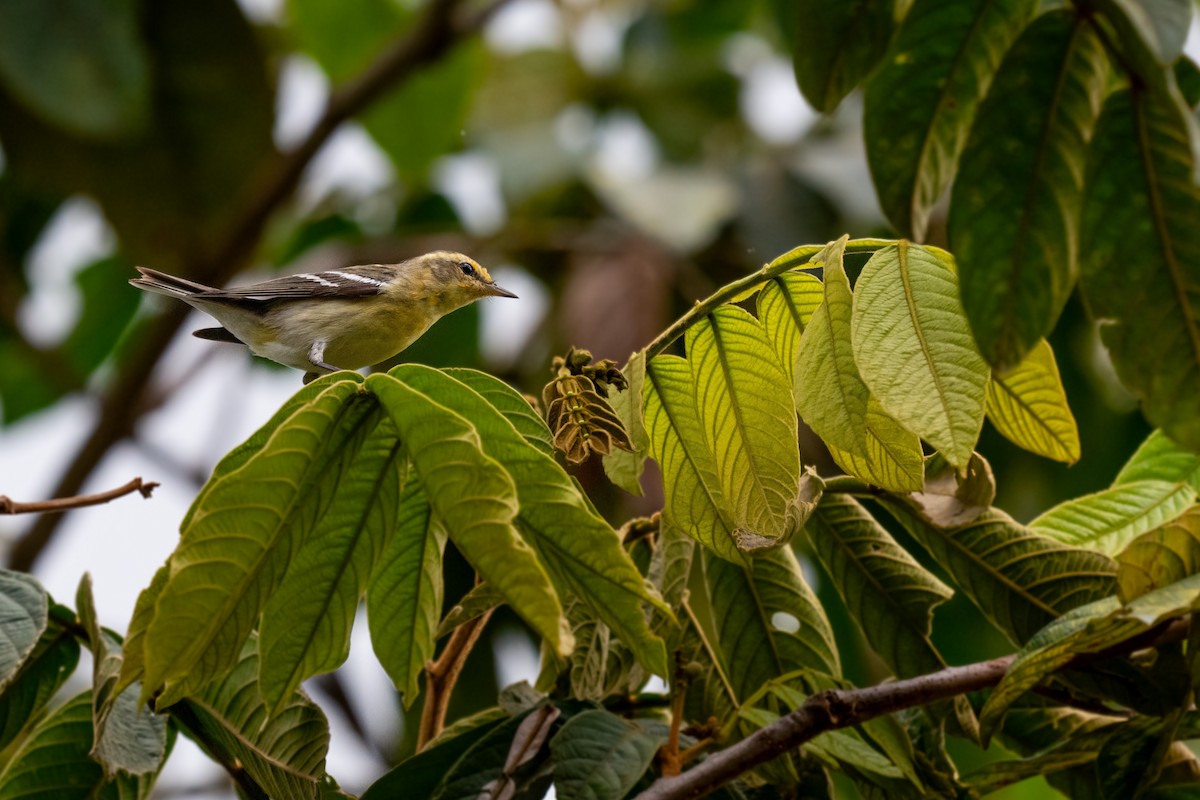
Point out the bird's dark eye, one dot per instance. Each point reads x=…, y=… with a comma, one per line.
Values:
x=468, y=269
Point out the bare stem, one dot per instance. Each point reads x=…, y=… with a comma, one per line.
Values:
x=441, y=676
x=10, y=506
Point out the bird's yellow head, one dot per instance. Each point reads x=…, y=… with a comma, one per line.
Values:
x=449, y=280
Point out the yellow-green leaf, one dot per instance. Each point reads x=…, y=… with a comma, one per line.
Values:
x=1028, y=405
x=785, y=307
x=914, y=349
x=1160, y=557
x=623, y=467
x=893, y=459
x=1109, y=520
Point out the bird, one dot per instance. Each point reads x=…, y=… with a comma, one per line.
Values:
x=322, y=322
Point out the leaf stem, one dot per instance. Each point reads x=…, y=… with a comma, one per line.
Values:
x=725, y=294
x=442, y=674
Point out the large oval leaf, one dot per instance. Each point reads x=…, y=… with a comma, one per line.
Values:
x=748, y=424
x=475, y=497
x=914, y=350
x=1140, y=254
x=836, y=45
x=1014, y=213
x=42, y=673
x=599, y=756
x=919, y=104
x=1028, y=405
x=1109, y=520
x=23, y=615
x=582, y=553
x=237, y=545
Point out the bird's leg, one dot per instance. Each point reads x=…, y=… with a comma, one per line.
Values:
x=316, y=356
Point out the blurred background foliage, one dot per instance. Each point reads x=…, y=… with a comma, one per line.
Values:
x=617, y=159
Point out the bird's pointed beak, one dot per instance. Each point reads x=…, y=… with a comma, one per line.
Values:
x=496, y=291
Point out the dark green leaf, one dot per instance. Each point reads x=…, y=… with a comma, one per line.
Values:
x=1015, y=208
x=599, y=756
x=486, y=763
x=1133, y=757
x=836, y=45
x=920, y=103
x=1140, y=254
x=108, y=305
x=23, y=617
x=78, y=65
x=1150, y=33
x=42, y=673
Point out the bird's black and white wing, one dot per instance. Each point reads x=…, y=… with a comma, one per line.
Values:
x=360, y=281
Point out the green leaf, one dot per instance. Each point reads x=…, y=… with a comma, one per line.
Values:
x=511, y=403
x=127, y=737
x=306, y=623
x=914, y=350
x=748, y=424
x=599, y=756
x=1108, y=521
x=830, y=395
x=1028, y=405
x=785, y=307
x=108, y=306
x=1013, y=222
x=418, y=775
x=581, y=552
x=893, y=458
x=920, y=103
x=692, y=498
x=23, y=616
x=768, y=621
x=475, y=497
x=1150, y=33
x=1019, y=580
x=1133, y=757
x=284, y=752
x=404, y=599
x=622, y=467
x=836, y=45
x=53, y=763
x=1160, y=459
x=133, y=663
x=889, y=594
x=1140, y=254
x=52, y=660
x=474, y=604
x=238, y=541
x=1160, y=557
x=77, y=65
x=485, y=766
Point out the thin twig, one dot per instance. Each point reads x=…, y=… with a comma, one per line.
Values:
x=441, y=676
x=435, y=34
x=10, y=506
x=835, y=709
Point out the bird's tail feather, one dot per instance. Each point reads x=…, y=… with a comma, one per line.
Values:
x=161, y=283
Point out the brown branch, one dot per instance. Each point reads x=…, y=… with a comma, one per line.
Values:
x=830, y=710
x=437, y=32
x=441, y=676
x=10, y=506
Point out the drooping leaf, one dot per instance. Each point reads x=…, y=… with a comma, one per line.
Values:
x=306, y=623
x=830, y=395
x=238, y=542
x=127, y=737
x=484, y=763
x=624, y=467
x=1140, y=254
x=404, y=598
x=23, y=616
x=951, y=498
x=785, y=306
x=914, y=350
x=79, y=66
x=1160, y=557
x=768, y=621
x=890, y=596
x=1028, y=405
x=53, y=762
x=748, y=425
x=284, y=753
x=599, y=756
x=475, y=498
x=582, y=420
x=920, y=102
x=893, y=459
x=515, y=408
x=1014, y=213
x=40, y=676
x=836, y=45
x=693, y=502
x=1019, y=580
x=581, y=552
x=1160, y=459
x=1109, y=520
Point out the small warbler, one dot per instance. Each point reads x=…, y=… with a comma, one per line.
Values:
x=341, y=319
